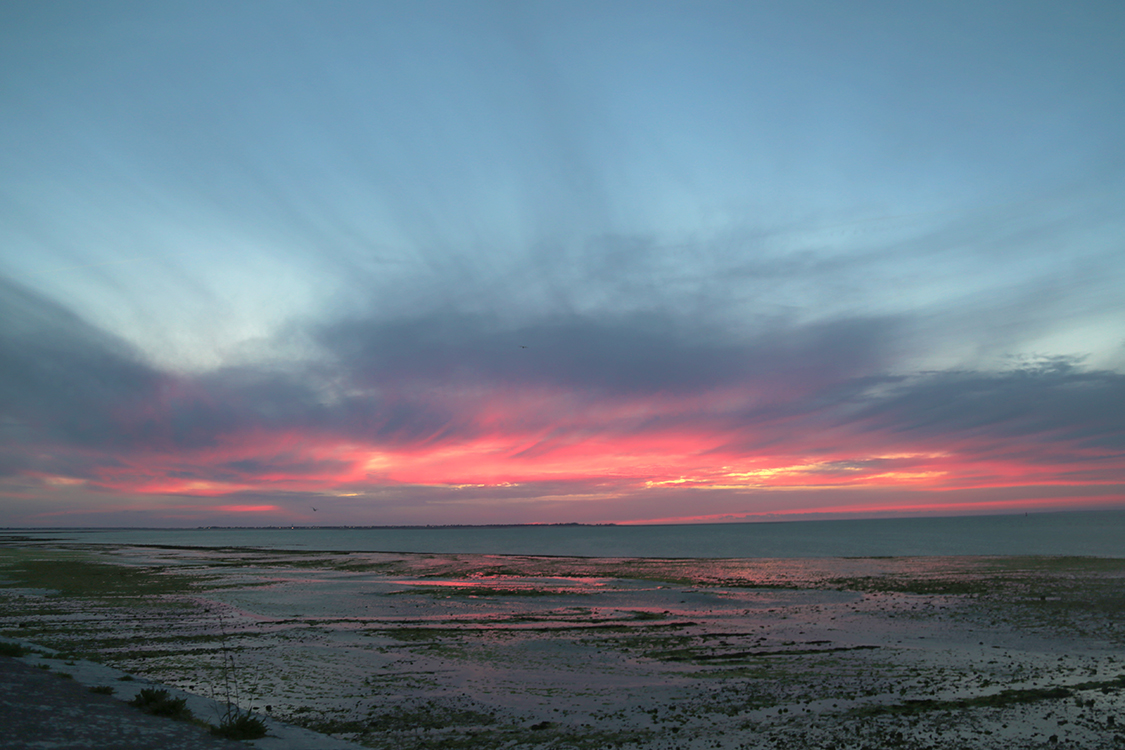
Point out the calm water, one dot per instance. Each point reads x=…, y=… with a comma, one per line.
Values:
x=1099, y=533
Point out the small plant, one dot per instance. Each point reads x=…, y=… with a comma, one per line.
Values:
x=234, y=724
x=240, y=726
x=159, y=703
x=64, y=675
x=102, y=689
x=125, y=678
x=12, y=649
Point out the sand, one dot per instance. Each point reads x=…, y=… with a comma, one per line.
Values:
x=425, y=651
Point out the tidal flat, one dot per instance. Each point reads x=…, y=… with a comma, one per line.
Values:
x=413, y=651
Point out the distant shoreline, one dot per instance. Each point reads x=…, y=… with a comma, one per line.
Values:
x=1075, y=533
x=757, y=521
x=288, y=527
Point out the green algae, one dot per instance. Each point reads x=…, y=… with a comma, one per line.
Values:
x=419, y=634
x=1057, y=564
x=93, y=580
x=1001, y=699
x=449, y=592
x=920, y=586
x=435, y=725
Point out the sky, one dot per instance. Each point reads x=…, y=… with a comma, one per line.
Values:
x=273, y=263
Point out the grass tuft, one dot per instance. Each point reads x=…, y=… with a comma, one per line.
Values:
x=159, y=703
x=240, y=726
x=12, y=649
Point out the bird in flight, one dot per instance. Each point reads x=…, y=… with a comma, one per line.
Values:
x=314, y=509
x=522, y=346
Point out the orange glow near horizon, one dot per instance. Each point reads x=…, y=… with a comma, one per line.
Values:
x=608, y=450
x=321, y=464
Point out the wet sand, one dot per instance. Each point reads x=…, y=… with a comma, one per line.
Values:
x=427, y=651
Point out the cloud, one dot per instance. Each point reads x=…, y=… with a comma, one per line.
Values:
x=610, y=354
x=1053, y=401
x=608, y=406
x=63, y=378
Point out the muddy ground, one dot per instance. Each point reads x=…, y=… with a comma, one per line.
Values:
x=410, y=651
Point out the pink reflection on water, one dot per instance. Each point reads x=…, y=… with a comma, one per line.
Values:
x=508, y=582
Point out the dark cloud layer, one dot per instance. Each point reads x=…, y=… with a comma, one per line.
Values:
x=1055, y=400
x=63, y=379
x=94, y=405
x=632, y=354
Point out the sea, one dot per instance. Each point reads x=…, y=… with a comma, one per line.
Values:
x=1085, y=533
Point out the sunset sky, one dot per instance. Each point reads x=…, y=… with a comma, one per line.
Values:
x=534, y=262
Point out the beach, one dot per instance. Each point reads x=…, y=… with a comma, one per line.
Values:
x=427, y=650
